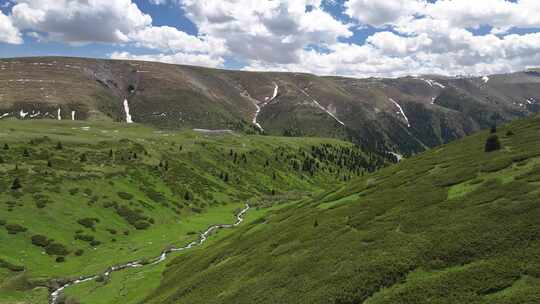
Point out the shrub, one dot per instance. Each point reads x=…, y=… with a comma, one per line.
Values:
x=84, y=237
x=95, y=243
x=40, y=240
x=125, y=196
x=9, y=266
x=60, y=259
x=492, y=144
x=126, y=232
x=509, y=133
x=111, y=231
x=2, y=222
x=141, y=225
x=54, y=248
x=15, y=228
x=59, y=146
x=79, y=252
x=40, y=204
x=88, y=222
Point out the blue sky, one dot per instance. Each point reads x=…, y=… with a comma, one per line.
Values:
x=331, y=37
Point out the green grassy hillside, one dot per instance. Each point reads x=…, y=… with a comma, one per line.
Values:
x=76, y=197
x=453, y=225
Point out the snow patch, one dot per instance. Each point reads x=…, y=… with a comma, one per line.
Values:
x=485, y=79
x=4, y=115
x=398, y=156
x=58, y=114
x=23, y=114
x=126, y=109
x=72, y=115
x=401, y=111
x=322, y=108
x=258, y=107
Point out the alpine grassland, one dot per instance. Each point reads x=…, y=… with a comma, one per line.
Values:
x=79, y=197
x=456, y=224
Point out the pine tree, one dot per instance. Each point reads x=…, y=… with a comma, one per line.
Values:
x=16, y=184
x=59, y=146
x=49, y=164
x=6, y=147
x=83, y=158
x=1, y=160
x=316, y=223
x=26, y=153
x=111, y=154
x=492, y=144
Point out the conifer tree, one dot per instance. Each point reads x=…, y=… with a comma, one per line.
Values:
x=26, y=153
x=492, y=144
x=59, y=146
x=6, y=147
x=16, y=184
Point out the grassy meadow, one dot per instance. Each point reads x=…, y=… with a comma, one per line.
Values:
x=79, y=197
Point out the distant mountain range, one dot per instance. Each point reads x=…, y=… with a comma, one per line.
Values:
x=405, y=115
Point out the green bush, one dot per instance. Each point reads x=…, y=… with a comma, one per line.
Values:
x=60, y=259
x=54, y=248
x=141, y=225
x=88, y=222
x=79, y=252
x=40, y=240
x=125, y=196
x=15, y=228
x=84, y=237
x=11, y=267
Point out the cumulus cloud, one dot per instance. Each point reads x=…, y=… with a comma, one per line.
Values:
x=416, y=37
x=409, y=36
x=80, y=21
x=272, y=31
x=380, y=13
x=8, y=32
x=176, y=58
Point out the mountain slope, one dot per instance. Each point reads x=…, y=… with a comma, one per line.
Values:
x=452, y=225
x=406, y=114
x=78, y=197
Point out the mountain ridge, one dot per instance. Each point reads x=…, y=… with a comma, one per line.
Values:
x=405, y=115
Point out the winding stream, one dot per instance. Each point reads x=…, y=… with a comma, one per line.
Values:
x=56, y=293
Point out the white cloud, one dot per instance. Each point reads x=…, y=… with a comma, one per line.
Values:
x=80, y=21
x=378, y=13
x=176, y=58
x=8, y=32
x=168, y=38
x=271, y=31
